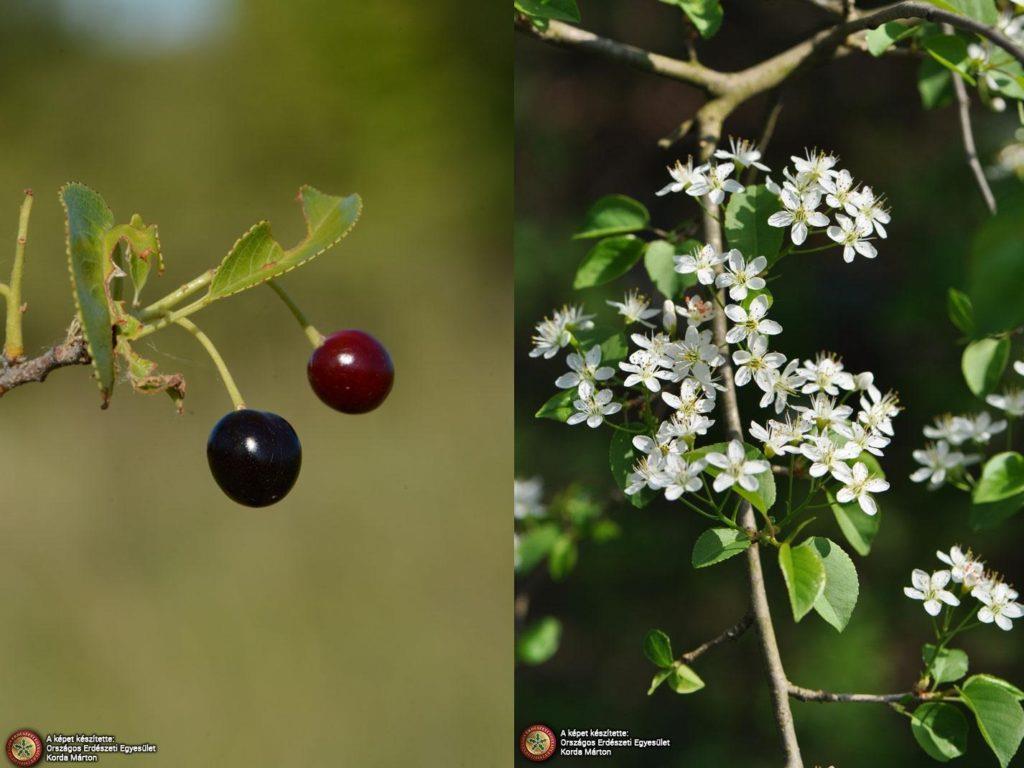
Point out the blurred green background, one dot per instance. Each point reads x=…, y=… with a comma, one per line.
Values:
x=357, y=621
x=586, y=127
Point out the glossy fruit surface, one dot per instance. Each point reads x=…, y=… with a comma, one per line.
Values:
x=255, y=457
x=351, y=372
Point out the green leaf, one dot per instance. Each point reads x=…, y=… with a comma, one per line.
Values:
x=746, y=223
x=858, y=527
x=536, y=544
x=880, y=39
x=764, y=497
x=257, y=257
x=621, y=458
x=999, y=492
x=948, y=666
x=997, y=268
x=660, y=263
x=935, y=84
x=87, y=220
x=684, y=679
x=960, y=310
x=804, y=574
x=563, y=557
x=836, y=602
x=539, y=641
x=659, y=677
x=558, y=407
x=144, y=378
x=609, y=259
x=980, y=10
x=614, y=349
x=999, y=716
x=1009, y=79
x=138, y=248
x=1010, y=688
x=553, y=10
x=614, y=215
x=940, y=729
x=983, y=364
x=718, y=544
x=951, y=52
x=705, y=15
x=658, y=648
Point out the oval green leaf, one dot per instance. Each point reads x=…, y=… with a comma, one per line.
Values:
x=836, y=602
x=746, y=223
x=257, y=257
x=684, y=680
x=997, y=268
x=999, y=493
x=718, y=544
x=613, y=215
x=609, y=259
x=983, y=363
x=948, y=666
x=539, y=641
x=804, y=574
x=940, y=729
x=999, y=716
x=658, y=648
x=857, y=527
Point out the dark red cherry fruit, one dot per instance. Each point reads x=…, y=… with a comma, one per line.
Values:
x=255, y=457
x=351, y=372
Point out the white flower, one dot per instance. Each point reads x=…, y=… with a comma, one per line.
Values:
x=826, y=456
x=555, y=332
x=859, y=485
x=696, y=311
x=838, y=189
x=864, y=204
x=694, y=355
x=946, y=427
x=750, y=323
x=815, y=166
x=1011, y=401
x=593, y=406
x=776, y=441
x=646, y=474
x=755, y=362
x=686, y=425
x=979, y=427
x=682, y=177
x=824, y=412
x=714, y=183
x=859, y=439
x=878, y=410
x=865, y=382
x=743, y=152
x=781, y=384
x=657, y=345
x=938, y=462
x=690, y=400
x=978, y=59
x=702, y=261
x=680, y=476
x=851, y=235
x=740, y=276
x=999, y=604
x=736, y=468
x=635, y=308
x=825, y=374
x=644, y=368
x=584, y=369
x=800, y=213
x=965, y=569
x=526, y=498
x=931, y=589
x=1018, y=366
x=668, y=315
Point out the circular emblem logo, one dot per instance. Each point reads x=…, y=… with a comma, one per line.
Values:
x=24, y=747
x=537, y=743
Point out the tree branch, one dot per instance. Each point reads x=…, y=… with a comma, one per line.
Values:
x=72, y=351
x=732, y=633
x=778, y=683
x=828, y=697
x=964, y=111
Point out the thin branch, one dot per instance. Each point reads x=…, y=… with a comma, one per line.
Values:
x=568, y=36
x=778, y=683
x=970, y=149
x=732, y=633
x=828, y=697
x=73, y=351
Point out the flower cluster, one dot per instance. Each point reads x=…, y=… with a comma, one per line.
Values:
x=996, y=600
x=945, y=459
